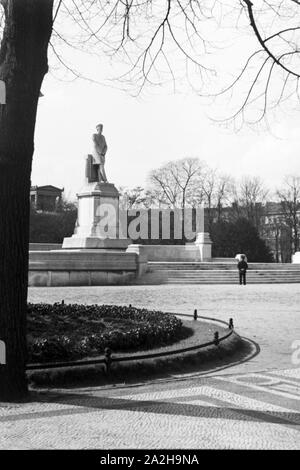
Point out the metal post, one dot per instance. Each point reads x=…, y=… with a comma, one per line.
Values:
x=107, y=360
x=216, y=338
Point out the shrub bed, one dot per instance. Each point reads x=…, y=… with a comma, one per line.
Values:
x=73, y=331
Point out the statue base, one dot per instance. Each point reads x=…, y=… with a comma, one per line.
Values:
x=98, y=222
x=204, y=245
x=95, y=243
x=296, y=257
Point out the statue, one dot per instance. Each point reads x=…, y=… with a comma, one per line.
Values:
x=95, y=171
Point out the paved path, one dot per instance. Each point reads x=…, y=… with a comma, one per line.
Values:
x=254, y=405
x=249, y=411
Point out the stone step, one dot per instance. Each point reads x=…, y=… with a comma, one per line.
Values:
x=222, y=271
x=221, y=276
x=218, y=266
x=213, y=281
x=158, y=278
x=229, y=275
x=232, y=279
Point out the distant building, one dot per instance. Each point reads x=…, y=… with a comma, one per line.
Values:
x=45, y=198
x=276, y=231
x=271, y=221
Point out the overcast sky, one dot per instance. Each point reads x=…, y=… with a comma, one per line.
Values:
x=144, y=133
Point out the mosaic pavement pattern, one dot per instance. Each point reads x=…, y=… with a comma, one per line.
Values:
x=257, y=410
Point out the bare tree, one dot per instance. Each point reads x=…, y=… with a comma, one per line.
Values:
x=136, y=198
x=131, y=198
x=213, y=191
x=250, y=196
x=166, y=188
x=175, y=179
x=289, y=196
x=223, y=193
x=208, y=185
x=23, y=64
x=269, y=77
x=155, y=41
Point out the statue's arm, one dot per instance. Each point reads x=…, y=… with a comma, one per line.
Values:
x=104, y=150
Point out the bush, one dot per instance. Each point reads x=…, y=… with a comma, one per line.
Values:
x=52, y=227
x=73, y=331
x=240, y=236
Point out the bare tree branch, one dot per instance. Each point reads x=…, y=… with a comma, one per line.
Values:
x=263, y=42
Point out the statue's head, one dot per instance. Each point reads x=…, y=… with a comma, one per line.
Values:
x=99, y=128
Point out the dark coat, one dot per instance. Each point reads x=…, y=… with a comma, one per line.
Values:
x=242, y=265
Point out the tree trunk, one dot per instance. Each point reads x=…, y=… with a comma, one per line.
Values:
x=23, y=64
x=296, y=244
x=276, y=245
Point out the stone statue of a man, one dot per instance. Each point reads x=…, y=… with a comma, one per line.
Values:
x=99, y=152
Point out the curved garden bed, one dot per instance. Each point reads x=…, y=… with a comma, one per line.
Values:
x=72, y=331
x=198, y=353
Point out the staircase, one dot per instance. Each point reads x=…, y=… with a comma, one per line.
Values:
x=216, y=272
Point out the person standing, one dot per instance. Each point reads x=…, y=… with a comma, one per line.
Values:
x=242, y=267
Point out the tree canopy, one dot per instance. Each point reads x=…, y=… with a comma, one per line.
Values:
x=240, y=236
x=183, y=43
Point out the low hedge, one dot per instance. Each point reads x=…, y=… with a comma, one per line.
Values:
x=73, y=331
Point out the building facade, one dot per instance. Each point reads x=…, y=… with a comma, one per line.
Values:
x=45, y=198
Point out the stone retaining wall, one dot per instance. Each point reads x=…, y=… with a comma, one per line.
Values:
x=82, y=268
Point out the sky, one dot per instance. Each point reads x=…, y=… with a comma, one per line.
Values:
x=146, y=132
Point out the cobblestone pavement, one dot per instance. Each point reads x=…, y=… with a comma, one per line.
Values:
x=239, y=411
x=252, y=405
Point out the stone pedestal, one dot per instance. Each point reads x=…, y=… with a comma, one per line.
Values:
x=204, y=244
x=296, y=257
x=142, y=259
x=98, y=223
